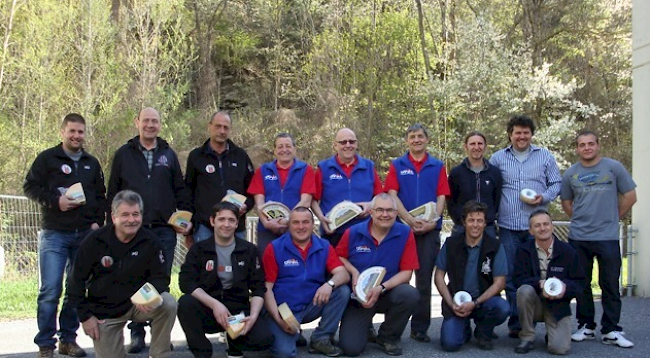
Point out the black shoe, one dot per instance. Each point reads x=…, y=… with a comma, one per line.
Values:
x=484, y=343
x=392, y=349
x=490, y=335
x=524, y=347
x=372, y=335
x=420, y=337
x=137, y=343
x=325, y=347
x=514, y=333
x=301, y=341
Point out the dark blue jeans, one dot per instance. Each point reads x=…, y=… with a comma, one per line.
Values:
x=608, y=254
x=511, y=240
x=428, y=247
x=284, y=345
x=456, y=331
x=56, y=254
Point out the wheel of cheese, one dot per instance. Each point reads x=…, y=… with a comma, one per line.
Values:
x=527, y=195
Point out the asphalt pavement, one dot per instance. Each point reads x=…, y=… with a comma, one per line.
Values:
x=16, y=339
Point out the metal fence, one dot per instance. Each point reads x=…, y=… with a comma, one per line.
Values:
x=20, y=224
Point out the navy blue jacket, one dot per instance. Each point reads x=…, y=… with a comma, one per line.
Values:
x=563, y=265
x=466, y=185
x=416, y=189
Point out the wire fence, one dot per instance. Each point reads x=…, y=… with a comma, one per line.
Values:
x=20, y=225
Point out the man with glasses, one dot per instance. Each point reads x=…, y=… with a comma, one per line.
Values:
x=344, y=176
x=379, y=241
x=414, y=179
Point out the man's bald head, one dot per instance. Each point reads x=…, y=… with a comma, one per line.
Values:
x=148, y=123
x=345, y=145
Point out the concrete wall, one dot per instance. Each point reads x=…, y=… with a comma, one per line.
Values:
x=641, y=144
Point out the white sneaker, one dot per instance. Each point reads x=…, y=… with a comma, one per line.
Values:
x=616, y=338
x=221, y=337
x=582, y=334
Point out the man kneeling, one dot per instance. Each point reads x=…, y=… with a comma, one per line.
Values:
x=297, y=266
x=537, y=260
x=475, y=263
x=112, y=264
x=221, y=278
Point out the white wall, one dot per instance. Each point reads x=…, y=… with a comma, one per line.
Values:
x=641, y=144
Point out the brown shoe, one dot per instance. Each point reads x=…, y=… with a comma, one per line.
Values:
x=45, y=352
x=71, y=349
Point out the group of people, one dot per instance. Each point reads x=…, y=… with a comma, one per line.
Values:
x=315, y=276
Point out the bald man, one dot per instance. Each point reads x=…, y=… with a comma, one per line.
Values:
x=147, y=165
x=344, y=176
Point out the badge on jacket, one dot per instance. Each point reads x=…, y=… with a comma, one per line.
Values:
x=107, y=261
x=209, y=266
x=486, y=268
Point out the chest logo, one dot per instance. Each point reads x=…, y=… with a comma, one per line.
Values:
x=107, y=261
x=209, y=266
x=234, y=164
x=271, y=177
x=87, y=167
x=291, y=263
x=406, y=172
x=487, y=182
x=556, y=269
x=209, y=168
x=161, y=257
x=224, y=269
x=134, y=253
x=162, y=160
x=240, y=263
x=336, y=177
x=362, y=248
x=66, y=169
x=486, y=267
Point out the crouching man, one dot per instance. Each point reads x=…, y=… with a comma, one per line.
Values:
x=220, y=278
x=536, y=261
x=379, y=241
x=476, y=263
x=112, y=264
x=298, y=265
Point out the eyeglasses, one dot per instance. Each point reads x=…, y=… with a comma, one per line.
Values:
x=346, y=141
x=382, y=211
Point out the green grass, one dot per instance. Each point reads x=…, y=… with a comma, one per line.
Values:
x=18, y=294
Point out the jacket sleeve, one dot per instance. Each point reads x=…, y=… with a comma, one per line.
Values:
x=35, y=185
x=157, y=272
x=453, y=198
x=183, y=197
x=250, y=170
x=256, y=275
x=114, y=180
x=100, y=194
x=190, y=178
x=523, y=273
x=188, y=279
x=79, y=275
x=499, y=187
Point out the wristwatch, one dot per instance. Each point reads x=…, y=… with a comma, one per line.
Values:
x=383, y=288
x=331, y=283
x=476, y=304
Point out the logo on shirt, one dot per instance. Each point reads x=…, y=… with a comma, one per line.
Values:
x=234, y=164
x=161, y=257
x=163, y=161
x=406, y=172
x=209, y=266
x=224, y=268
x=336, y=177
x=240, y=263
x=209, y=168
x=486, y=268
x=134, y=253
x=66, y=169
x=487, y=182
x=556, y=269
x=107, y=261
x=87, y=167
x=271, y=177
x=291, y=262
x=362, y=248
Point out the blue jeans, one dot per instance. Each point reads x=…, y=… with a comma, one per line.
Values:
x=204, y=232
x=511, y=240
x=457, y=331
x=56, y=255
x=608, y=254
x=284, y=345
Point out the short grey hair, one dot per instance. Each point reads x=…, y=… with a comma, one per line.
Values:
x=284, y=135
x=416, y=127
x=383, y=196
x=224, y=113
x=128, y=197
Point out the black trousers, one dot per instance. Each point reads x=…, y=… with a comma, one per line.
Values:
x=197, y=320
x=428, y=247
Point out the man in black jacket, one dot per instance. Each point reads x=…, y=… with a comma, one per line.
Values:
x=112, y=264
x=222, y=278
x=147, y=165
x=475, y=179
x=214, y=168
x=537, y=260
x=65, y=222
x=475, y=262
